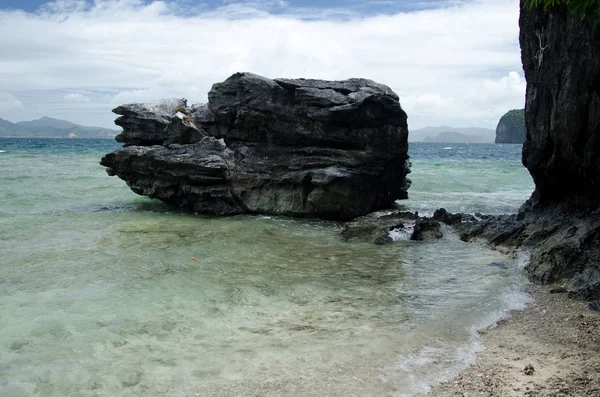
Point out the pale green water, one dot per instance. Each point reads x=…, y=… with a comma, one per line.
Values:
x=104, y=293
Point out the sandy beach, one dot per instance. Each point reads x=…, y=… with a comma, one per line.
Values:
x=552, y=348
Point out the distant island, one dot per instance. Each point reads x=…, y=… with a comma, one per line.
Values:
x=47, y=127
x=452, y=135
x=511, y=127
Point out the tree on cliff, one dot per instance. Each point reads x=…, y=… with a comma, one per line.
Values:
x=587, y=9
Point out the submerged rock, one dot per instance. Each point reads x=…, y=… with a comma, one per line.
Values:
x=498, y=265
x=594, y=306
x=298, y=147
x=564, y=244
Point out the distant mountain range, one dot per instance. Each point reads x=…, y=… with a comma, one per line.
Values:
x=47, y=127
x=452, y=135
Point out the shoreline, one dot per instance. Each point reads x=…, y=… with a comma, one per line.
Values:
x=555, y=335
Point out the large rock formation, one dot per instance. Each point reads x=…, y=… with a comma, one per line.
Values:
x=328, y=149
x=511, y=127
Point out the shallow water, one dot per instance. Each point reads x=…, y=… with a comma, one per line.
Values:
x=105, y=293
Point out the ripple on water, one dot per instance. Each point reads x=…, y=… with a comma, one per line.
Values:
x=295, y=304
x=103, y=293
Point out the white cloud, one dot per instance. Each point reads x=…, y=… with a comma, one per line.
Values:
x=9, y=102
x=77, y=98
x=479, y=105
x=453, y=65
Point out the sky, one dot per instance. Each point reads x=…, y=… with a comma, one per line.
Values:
x=451, y=62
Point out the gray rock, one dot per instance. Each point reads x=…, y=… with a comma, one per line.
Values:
x=529, y=370
x=375, y=228
x=441, y=215
x=145, y=123
x=426, y=229
x=298, y=147
x=195, y=176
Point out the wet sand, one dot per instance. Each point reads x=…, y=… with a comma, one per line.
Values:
x=552, y=348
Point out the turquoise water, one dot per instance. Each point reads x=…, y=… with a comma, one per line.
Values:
x=105, y=293
x=486, y=178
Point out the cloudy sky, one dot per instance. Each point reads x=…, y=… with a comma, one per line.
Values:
x=452, y=62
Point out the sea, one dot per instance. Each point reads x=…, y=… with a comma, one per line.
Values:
x=106, y=293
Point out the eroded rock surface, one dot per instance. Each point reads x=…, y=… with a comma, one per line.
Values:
x=298, y=147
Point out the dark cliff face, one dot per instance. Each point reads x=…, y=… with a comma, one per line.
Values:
x=561, y=220
x=561, y=60
x=298, y=147
x=511, y=127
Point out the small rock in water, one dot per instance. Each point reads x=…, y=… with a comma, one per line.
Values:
x=441, y=215
x=498, y=264
x=131, y=379
x=18, y=344
x=595, y=306
x=559, y=290
x=426, y=229
x=529, y=370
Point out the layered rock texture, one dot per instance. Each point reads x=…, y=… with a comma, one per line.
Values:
x=298, y=147
x=511, y=127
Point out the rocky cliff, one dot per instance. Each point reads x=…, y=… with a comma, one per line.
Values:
x=511, y=127
x=561, y=60
x=561, y=220
x=298, y=147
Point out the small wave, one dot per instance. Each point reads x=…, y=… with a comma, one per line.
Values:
x=447, y=148
x=523, y=258
x=379, y=214
x=401, y=234
x=430, y=365
x=2, y=151
x=105, y=208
